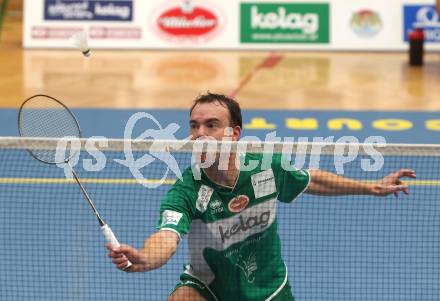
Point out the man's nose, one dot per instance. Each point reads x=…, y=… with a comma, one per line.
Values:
x=199, y=132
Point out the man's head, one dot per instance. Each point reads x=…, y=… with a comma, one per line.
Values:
x=215, y=115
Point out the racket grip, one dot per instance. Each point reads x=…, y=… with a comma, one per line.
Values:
x=111, y=238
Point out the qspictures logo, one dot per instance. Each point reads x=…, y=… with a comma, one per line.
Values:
x=207, y=151
x=284, y=23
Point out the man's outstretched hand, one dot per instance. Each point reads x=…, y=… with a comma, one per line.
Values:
x=392, y=183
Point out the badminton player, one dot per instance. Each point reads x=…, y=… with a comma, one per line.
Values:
x=229, y=217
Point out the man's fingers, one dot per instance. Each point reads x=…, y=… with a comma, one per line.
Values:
x=394, y=179
x=122, y=257
x=123, y=266
x=112, y=254
x=406, y=173
x=396, y=188
x=122, y=249
x=400, y=187
x=119, y=260
x=112, y=250
x=117, y=254
x=403, y=173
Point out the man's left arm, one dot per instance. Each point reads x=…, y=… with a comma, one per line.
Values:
x=326, y=183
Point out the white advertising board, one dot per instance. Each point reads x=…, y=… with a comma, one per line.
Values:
x=233, y=24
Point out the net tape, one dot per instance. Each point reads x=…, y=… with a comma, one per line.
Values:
x=185, y=146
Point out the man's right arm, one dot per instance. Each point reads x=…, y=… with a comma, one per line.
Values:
x=177, y=210
x=157, y=250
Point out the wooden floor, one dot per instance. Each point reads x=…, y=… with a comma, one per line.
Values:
x=171, y=79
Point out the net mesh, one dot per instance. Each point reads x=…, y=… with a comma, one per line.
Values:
x=334, y=248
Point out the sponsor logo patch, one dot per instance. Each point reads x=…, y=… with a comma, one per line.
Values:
x=170, y=217
x=216, y=206
x=203, y=198
x=263, y=183
x=238, y=204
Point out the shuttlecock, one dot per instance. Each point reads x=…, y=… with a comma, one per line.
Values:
x=79, y=40
x=187, y=6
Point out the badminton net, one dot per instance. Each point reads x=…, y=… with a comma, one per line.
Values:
x=335, y=248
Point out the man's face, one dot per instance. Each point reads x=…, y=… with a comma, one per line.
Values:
x=211, y=120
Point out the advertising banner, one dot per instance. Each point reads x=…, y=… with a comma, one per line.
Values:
x=425, y=17
x=281, y=22
x=234, y=24
x=365, y=25
x=92, y=10
x=187, y=23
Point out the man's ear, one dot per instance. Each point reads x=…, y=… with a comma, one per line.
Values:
x=236, y=133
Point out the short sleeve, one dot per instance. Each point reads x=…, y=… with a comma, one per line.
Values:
x=177, y=210
x=290, y=183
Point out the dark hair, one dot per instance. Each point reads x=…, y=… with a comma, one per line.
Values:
x=229, y=103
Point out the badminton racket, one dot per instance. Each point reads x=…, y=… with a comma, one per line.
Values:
x=45, y=116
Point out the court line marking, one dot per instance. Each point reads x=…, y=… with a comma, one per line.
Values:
x=270, y=61
x=84, y=180
x=147, y=181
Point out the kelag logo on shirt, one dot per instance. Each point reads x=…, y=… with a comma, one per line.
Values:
x=284, y=23
x=244, y=224
x=90, y=10
x=422, y=16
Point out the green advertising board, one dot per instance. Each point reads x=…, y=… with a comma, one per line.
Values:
x=280, y=22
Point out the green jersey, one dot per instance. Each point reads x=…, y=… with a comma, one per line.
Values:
x=234, y=247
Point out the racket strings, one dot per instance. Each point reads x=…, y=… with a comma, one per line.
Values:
x=44, y=116
x=48, y=123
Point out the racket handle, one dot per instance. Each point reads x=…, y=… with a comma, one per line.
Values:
x=111, y=238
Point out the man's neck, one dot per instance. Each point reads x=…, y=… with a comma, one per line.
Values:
x=225, y=177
